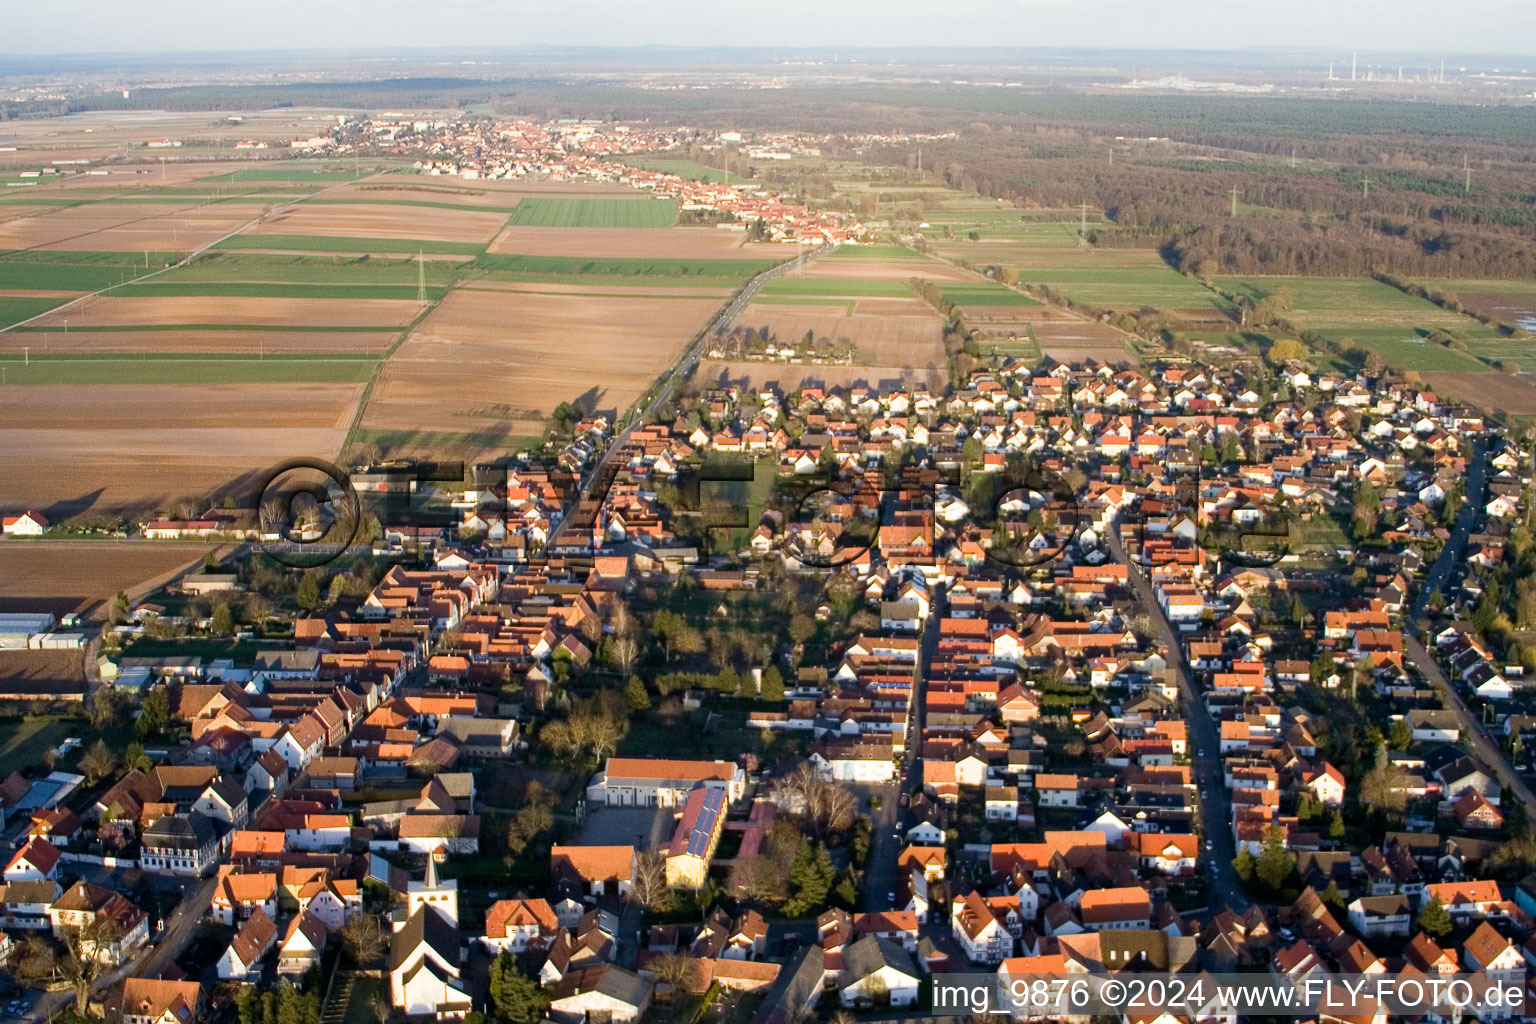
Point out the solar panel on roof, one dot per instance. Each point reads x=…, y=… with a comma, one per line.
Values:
x=704, y=826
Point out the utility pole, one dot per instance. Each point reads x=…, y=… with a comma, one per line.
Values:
x=1235, y=193
x=1293, y=158
x=26, y=355
x=421, y=279
x=1466, y=168
x=1082, y=233
x=1365, y=183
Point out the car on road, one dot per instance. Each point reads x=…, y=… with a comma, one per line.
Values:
x=1200, y=752
x=891, y=895
x=1210, y=844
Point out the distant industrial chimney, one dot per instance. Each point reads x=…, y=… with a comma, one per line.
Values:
x=1351, y=67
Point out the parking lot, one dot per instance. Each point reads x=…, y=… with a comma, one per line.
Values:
x=644, y=827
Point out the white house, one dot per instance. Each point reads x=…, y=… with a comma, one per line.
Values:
x=249, y=945
x=424, y=958
x=877, y=972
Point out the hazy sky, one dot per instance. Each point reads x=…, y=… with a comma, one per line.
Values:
x=1324, y=26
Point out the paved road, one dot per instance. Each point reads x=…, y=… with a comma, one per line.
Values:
x=178, y=931
x=1204, y=741
x=1472, y=730
x=1450, y=555
x=880, y=875
x=1450, y=560
x=722, y=320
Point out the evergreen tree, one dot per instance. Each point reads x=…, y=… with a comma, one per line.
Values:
x=636, y=699
x=772, y=687
x=811, y=877
x=1336, y=826
x=308, y=594
x=515, y=997
x=1332, y=896
x=221, y=623
x=1275, y=862
x=1434, y=919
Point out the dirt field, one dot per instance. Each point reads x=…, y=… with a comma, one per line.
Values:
x=111, y=311
x=79, y=576
x=787, y=377
x=396, y=189
x=211, y=341
x=671, y=243
x=1508, y=307
x=625, y=291
x=886, y=270
x=64, y=450
x=1513, y=395
x=382, y=221
x=1073, y=341
x=127, y=227
x=500, y=361
x=913, y=339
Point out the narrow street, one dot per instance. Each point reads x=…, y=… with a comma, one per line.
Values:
x=1204, y=741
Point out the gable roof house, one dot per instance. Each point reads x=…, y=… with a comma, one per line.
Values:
x=424, y=959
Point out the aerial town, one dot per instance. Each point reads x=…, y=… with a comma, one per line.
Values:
x=737, y=583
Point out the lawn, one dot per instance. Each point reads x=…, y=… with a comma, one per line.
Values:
x=622, y=266
x=337, y=243
x=875, y=289
x=23, y=740
x=1404, y=348
x=595, y=213
x=16, y=308
x=246, y=368
x=360, y=997
x=984, y=295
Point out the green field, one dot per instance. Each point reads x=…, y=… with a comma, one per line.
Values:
x=265, y=328
x=388, y=439
x=337, y=243
x=595, y=213
x=244, y=368
x=593, y=281
x=1112, y=287
x=316, y=269
x=1364, y=313
x=275, y=290
x=618, y=266
x=825, y=286
x=984, y=295
x=91, y=257
x=16, y=308
x=875, y=252
x=65, y=277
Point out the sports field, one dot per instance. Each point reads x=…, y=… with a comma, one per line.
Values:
x=536, y=212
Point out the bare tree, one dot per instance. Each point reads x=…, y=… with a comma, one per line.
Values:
x=828, y=807
x=363, y=939
x=88, y=953
x=674, y=969
x=649, y=885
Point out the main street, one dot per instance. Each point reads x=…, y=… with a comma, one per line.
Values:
x=1203, y=740
x=150, y=961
